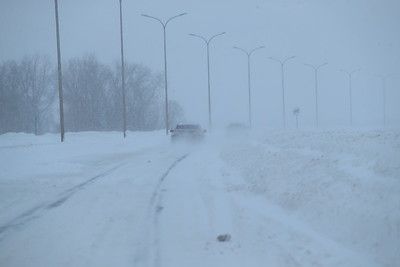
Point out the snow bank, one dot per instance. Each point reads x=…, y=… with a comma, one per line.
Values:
x=346, y=185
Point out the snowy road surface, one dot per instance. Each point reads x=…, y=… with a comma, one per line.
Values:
x=286, y=199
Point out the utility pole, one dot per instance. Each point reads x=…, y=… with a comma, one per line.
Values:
x=248, y=54
x=350, y=77
x=164, y=25
x=316, y=69
x=283, y=62
x=122, y=71
x=207, y=42
x=60, y=88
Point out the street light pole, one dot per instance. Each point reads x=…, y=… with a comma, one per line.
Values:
x=122, y=70
x=60, y=88
x=384, y=99
x=207, y=42
x=164, y=25
x=316, y=69
x=384, y=80
x=283, y=62
x=249, y=53
x=350, y=76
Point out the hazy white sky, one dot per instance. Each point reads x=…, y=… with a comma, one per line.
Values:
x=346, y=33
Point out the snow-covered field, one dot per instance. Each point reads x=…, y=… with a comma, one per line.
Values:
x=301, y=198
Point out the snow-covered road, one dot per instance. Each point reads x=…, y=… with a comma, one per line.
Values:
x=144, y=202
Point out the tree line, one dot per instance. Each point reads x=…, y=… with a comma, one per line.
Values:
x=92, y=96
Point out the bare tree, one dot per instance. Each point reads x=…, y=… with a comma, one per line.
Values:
x=36, y=84
x=91, y=92
x=25, y=94
x=92, y=96
x=11, y=100
x=86, y=83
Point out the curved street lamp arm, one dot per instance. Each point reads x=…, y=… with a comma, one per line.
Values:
x=212, y=37
x=288, y=58
x=387, y=76
x=275, y=59
x=346, y=72
x=174, y=17
x=255, y=49
x=241, y=49
x=309, y=65
x=157, y=19
x=316, y=68
x=384, y=77
x=350, y=72
x=282, y=62
x=198, y=36
x=322, y=65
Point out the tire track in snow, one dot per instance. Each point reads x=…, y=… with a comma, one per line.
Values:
x=173, y=165
x=38, y=210
x=151, y=245
x=157, y=209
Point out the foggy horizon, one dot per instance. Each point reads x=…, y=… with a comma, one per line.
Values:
x=346, y=34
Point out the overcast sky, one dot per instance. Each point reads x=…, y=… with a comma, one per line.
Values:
x=347, y=34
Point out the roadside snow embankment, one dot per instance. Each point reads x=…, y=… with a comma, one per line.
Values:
x=345, y=185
